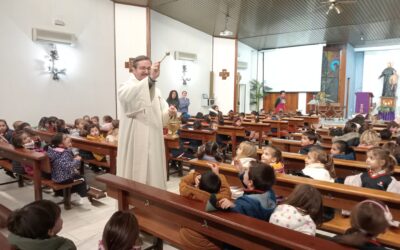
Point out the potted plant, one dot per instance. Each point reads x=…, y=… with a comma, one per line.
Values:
x=257, y=92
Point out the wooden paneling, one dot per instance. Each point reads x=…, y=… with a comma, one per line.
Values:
x=292, y=99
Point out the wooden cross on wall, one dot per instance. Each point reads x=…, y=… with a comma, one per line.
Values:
x=224, y=74
x=129, y=64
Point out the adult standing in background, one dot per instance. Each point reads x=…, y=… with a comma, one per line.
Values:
x=184, y=103
x=173, y=99
x=280, y=103
x=141, y=153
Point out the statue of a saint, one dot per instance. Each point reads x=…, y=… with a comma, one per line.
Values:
x=389, y=81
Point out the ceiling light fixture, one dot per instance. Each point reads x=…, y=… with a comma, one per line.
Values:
x=335, y=6
x=226, y=32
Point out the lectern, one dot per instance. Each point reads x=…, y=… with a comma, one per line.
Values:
x=363, y=102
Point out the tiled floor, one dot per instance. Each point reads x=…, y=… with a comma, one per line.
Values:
x=84, y=227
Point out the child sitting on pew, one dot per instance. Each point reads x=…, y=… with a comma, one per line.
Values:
x=5, y=132
x=340, y=150
x=112, y=135
x=369, y=138
x=393, y=148
x=319, y=165
x=302, y=211
x=381, y=164
x=94, y=135
x=308, y=140
x=22, y=139
x=245, y=154
x=121, y=232
x=202, y=187
x=36, y=225
x=259, y=200
x=385, y=134
x=64, y=166
x=350, y=134
x=210, y=152
x=79, y=125
x=107, y=123
x=273, y=157
x=368, y=219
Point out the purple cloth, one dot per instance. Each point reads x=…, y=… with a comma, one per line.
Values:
x=386, y=116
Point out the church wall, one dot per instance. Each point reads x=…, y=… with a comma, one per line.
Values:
x=224, y=58
x=27, y=92
x=130, y=38
x=170, y=35
x=248, y=55
x=350, y=75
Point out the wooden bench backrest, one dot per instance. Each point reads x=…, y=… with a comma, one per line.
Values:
x=335, y=195
x=25, y=156
x=236, y=229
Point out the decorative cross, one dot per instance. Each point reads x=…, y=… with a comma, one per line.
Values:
x=129, y=64
x=224, y=74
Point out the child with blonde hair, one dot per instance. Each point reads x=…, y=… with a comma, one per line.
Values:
x=273, y=157
x=245, y=153
x=319, y=165
x=304, y=205
x=369, y=139
x=381, y=165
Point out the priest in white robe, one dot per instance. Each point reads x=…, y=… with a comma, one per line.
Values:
x=141, y=152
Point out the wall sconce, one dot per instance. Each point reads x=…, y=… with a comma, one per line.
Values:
x=53, y=57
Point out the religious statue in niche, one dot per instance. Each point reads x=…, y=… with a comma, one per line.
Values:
x=390, y=79
x=185, y=78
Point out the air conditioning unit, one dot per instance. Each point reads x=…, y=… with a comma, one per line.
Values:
x=242, y=65
x=53, y=36
x=179, y=55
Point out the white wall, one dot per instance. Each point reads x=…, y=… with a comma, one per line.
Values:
x=374, y=63
x=27, y=93
x=170, y=35
x=249, y=55
x=224, y=58
x=130, y=38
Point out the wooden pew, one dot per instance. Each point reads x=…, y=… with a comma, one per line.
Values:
x=279, y=125
x=294, y=123
x=309, y=119
x=170, y=143
x=40, y=163
x=338, y=196
x=233, y=132
x=202, y=135
x=258, y=127
x=162, y=213
x=103, y=148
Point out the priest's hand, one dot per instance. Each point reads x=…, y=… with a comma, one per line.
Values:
x=172, y=111
x=155, y=71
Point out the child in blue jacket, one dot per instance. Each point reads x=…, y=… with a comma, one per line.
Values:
x=259, y=199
